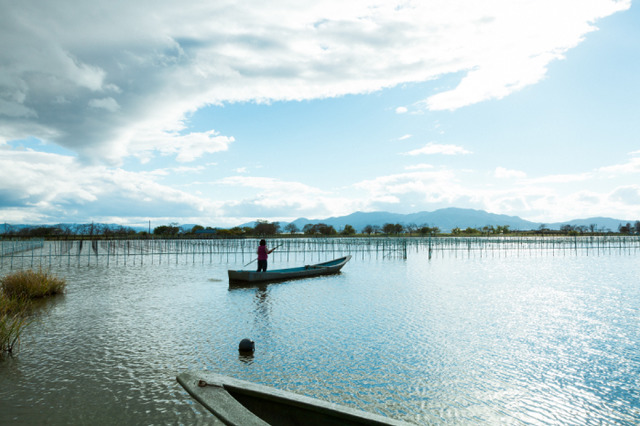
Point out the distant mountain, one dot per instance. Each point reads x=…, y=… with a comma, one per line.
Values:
x=73, y=227
x=5, y=226
x=445, y=219
x=449, y=218
x=601, y=223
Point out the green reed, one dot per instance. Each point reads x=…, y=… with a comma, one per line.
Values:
x=31, y=284
x=17, y=293
x=14, y=317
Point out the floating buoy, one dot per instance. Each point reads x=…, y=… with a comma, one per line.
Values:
x=246, y=345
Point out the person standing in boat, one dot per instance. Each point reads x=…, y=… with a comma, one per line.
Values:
x=263, y=255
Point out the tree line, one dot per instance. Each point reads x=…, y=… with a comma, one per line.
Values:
x=263, y=228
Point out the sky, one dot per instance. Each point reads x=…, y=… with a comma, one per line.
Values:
x=220, y=113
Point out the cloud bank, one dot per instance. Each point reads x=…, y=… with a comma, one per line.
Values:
x=109, y=80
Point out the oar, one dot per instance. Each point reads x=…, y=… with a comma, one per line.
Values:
x=250, y=262
x=280, y=245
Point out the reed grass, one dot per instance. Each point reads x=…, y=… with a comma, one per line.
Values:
x=17, y=293
x=31, y=284
x=14, y=317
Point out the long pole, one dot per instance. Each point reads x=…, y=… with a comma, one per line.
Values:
x=280, y=245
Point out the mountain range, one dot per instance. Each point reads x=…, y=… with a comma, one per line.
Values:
x=445, y=219
x=449, y=218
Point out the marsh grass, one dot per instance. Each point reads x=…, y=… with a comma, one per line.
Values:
x=31, y=284
x=17, y=294
x=15, y=315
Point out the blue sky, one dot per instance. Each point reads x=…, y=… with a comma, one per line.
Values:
x=223, y=113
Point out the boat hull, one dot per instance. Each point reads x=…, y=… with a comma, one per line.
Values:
x=237, y=402
x=325, y=268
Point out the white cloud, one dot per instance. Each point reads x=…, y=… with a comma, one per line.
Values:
x=55, y=188
x=416, y=187
x=514, y=43
x=151, y=70
x=419, y=167
x=270, y=185
x=630, y=167
x=502, y=173
x=108, y=104
x=404, y=137
x=401, y=110
x=434, y=148
x=561, y=178
x=282, y=200
x=193, y=145
x=186, y=147
x=628, y=195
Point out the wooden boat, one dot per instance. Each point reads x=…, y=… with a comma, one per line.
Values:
x=325, y=268
x=237, y=402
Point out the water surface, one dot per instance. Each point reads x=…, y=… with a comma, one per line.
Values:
x=457, y=339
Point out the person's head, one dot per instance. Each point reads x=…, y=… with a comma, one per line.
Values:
x=263, y=243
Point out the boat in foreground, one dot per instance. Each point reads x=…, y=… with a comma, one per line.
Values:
x=325, y=268
x=237, y=402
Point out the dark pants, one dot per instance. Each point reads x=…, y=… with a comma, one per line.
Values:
x=262, y=265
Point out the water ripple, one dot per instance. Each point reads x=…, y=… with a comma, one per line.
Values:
x=547, y=340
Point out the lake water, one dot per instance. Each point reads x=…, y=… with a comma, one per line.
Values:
x=461, y=338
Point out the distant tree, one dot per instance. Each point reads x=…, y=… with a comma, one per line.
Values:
x=489, y=229
x=636, y=227
x=87, y=229
x=234, y=232
x=319, y=229
x=124, y=231
x=411, y=228
x=264, y=228
x=65, y=230
x=581, y=229
x=291, y=228
x=39, y=232
x=426, y=230
x=224, y=233
x=348, y=230
x=566, y=229
x=166, y=230
x=502, y=229
x=161, y=230
x=392, y=228
x=8, y=229
x=471, y=231
x=456, y=231
x=327, y=230
x=625, y=229
x=197, y=228
x=367, y=230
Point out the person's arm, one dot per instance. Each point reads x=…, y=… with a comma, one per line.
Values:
x=269, y=252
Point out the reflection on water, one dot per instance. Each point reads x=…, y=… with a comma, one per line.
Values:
x=447, y=340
